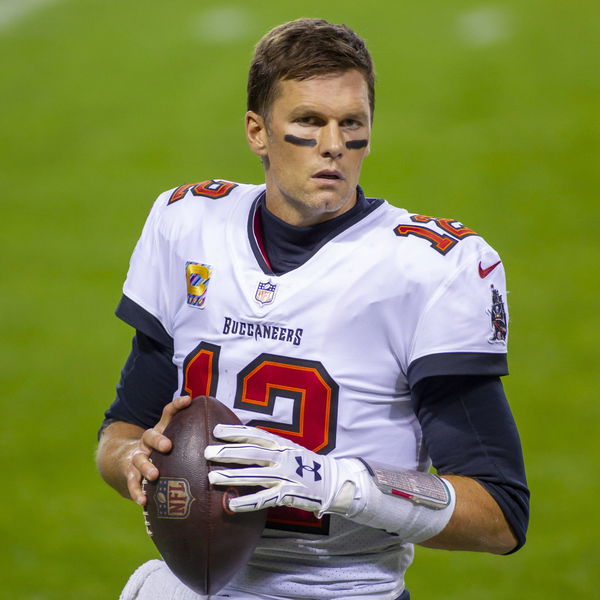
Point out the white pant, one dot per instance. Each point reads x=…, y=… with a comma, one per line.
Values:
x=154, y=581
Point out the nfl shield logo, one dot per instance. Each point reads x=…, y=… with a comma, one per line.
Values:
x=173, y=498
x=265, y=292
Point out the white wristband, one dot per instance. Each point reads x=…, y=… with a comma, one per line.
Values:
x=413, y=513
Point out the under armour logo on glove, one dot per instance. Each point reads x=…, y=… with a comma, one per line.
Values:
x=314, y=469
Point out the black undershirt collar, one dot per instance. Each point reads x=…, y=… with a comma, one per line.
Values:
x=287, y=247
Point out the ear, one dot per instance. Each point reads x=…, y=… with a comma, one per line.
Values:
x=256, y=133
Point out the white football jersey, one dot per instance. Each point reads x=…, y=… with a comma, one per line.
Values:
x=324, y=355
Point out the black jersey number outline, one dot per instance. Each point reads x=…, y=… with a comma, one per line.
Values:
x=267, y=379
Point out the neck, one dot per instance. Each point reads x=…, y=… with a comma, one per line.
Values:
x=286, y=247
x=305, y=213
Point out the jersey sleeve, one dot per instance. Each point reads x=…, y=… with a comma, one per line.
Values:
x=463, y=327
x=148, y=282
x=148, y=382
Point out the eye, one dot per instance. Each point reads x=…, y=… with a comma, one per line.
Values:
x=310, y=121
x=351, y=124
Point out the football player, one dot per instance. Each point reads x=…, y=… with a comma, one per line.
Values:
x=352, y=338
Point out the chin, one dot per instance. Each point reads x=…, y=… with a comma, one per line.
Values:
x=333, y=202
x=321, y=204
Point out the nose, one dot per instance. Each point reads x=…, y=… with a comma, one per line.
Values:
x=331, y=142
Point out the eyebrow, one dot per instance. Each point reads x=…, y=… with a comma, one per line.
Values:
x=357, y=115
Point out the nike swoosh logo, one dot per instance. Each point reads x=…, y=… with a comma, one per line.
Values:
x=483, y=273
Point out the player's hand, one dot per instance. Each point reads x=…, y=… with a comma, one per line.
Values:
x=292, y=475
x=140, y=466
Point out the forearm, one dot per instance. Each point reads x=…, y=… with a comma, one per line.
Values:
x=117, y=444
x=477, y=523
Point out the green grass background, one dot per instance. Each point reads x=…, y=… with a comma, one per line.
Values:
x=486, y=112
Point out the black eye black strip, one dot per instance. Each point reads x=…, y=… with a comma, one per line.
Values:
x=298, y=141
x=356, y=144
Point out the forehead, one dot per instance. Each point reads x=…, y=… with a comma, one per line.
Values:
x=336, y=93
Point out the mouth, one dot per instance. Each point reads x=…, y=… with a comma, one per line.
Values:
x=329, y=175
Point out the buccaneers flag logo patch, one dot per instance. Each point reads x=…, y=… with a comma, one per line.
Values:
x=498, y=316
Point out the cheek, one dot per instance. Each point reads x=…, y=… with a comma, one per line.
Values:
x=288, y=165
x=356, y=159
x=288, y=158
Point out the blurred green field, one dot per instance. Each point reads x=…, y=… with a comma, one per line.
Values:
x=486, y=112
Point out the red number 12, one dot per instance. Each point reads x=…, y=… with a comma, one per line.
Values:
x=314, y=399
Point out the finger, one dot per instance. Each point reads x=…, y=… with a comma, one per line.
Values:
x=245, y=454
x=270, y=498
x=302, y=502
x=153, y=439
x=261, y=476
x=144, y=466
x=246, y=434
x=170, y=410
x=134, y=486
x=251, y=502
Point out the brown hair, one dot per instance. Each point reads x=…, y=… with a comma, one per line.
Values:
x=302, y=49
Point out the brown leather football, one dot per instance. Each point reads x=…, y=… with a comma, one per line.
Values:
x=201, y=541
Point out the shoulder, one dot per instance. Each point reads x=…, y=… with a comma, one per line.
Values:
x=196, y=194
x=183, y=205
x=431, y=247
x=214, y=189
x=440, y=234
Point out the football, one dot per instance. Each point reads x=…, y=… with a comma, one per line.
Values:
x=200, y=539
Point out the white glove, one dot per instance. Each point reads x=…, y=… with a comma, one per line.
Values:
x=292, y=475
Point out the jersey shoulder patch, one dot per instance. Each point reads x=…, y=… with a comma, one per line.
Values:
x=211, y=188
